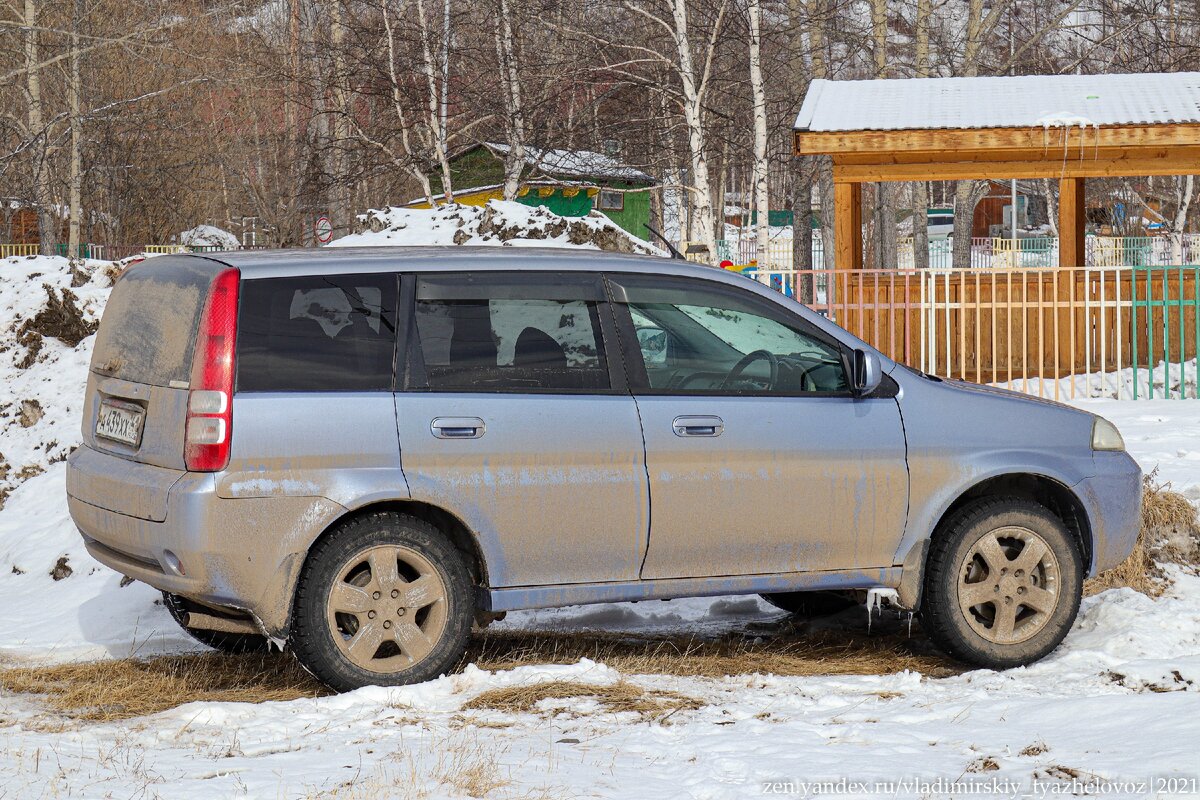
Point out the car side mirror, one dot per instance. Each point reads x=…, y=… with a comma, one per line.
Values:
x=868, y=372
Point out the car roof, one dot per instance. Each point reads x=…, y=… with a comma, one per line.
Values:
x=335, y=260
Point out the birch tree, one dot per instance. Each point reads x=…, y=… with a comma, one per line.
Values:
x=761, y=201
x=38, y=131
x=967, y=194
x=514, y=117
x=74, y=91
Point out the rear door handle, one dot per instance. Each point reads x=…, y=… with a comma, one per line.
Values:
x=698, y=426
x=457, y=427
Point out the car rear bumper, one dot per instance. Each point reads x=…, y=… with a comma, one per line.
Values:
x=237, y=553
x=1113, y=500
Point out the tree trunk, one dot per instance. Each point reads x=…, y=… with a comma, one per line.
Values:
x=802, y=235
x=1183, y=195
x=340, y=212
x=761, y=202
x=74, y=90
x=43, y=194
x=1051, y=205
x=885, y=193
x=920, y=204
x=825, y=188
x=703, y=222
x=920, y=225
x=436, y=109
x=514, y=123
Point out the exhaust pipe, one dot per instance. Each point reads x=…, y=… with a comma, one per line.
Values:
x=209, y=622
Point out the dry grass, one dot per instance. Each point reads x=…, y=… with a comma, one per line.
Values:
x=1170, y=532
x=778, y=652
x=112, y=690
x=621, y=697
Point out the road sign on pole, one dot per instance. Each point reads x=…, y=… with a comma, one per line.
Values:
x=323, y=228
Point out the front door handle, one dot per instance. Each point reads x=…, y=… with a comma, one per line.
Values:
x=698, y=426
x=457, y=427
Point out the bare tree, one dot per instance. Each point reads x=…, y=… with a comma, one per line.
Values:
x=761, y=200
x=514, y=118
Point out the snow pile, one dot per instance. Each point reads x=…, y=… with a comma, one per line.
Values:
x=209, y=236
x=498, y=223
x=1166, y=380
x=48, y=313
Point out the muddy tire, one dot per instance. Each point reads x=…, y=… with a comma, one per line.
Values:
x=234, y=643
x=1002, y=583
x=383, y=600
x=810, y=605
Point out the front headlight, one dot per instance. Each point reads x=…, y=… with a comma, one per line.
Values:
x=1105, y=436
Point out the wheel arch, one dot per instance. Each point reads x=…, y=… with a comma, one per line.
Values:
x=1052, y=494
x=463, y=539
x=450, y=524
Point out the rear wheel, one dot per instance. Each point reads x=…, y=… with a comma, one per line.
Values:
x=383, y=600
x=218, y=640
x=811, y=604
x=1002, y=584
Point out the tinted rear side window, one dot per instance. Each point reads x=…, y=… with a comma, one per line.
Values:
x=500, y=332
x=317, y=334
x=149, y=324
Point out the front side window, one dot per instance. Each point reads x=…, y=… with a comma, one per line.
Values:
x=317, y=334
x=700, y=339
x=506, y=333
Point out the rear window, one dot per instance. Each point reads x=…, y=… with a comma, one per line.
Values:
x=149, y=324
x=317, y=333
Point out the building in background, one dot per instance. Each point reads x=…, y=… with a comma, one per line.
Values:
x=571, y=183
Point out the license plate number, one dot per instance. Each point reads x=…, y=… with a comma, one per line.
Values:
x=120, y=422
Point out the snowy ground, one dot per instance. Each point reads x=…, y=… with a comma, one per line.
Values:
x=1114, y=712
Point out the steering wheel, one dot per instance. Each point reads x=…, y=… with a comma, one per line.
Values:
x=748, y=359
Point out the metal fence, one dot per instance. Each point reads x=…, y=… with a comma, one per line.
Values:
x=989, y=253
x=1094, y=331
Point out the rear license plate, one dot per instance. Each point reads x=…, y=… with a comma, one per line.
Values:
x=120, y=422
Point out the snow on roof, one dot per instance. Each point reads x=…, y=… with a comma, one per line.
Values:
x=1038, y=101
x=575, y=163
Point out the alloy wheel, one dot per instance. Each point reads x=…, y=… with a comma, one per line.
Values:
x=1009, y=584
x=387, y=608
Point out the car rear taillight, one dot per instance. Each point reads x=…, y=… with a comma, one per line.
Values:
x=210, y=402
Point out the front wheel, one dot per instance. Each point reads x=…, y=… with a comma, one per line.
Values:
x=1002, y=584
x=383, y=600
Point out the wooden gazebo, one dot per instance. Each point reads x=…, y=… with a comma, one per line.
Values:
x=1065, y=127
x=1010, y=324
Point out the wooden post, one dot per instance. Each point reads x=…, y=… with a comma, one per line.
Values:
x=1071, y=217
x=847, y=219
x=1072, y=213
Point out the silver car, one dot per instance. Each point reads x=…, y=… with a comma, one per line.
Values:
x=359, y=453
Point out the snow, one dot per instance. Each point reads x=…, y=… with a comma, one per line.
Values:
x=1065, y=119
x=1001, y=102
x=575, y=164
x=209, y=236
x=1116, y=704
x=1164, y=381
x=500, y=223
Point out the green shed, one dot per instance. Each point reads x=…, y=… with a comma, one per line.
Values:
x=571, y=183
